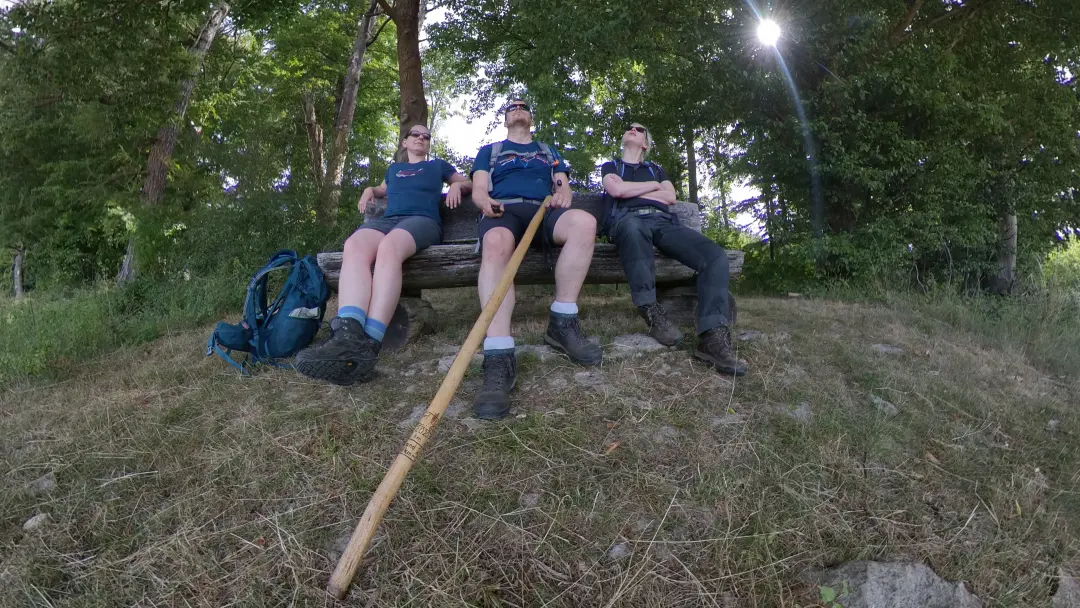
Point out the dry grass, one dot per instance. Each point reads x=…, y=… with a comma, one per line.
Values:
x=180, y=483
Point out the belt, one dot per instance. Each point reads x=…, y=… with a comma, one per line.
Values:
x=647, y=211
x=512, y=201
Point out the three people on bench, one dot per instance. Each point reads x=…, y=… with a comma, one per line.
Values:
x=508, y=190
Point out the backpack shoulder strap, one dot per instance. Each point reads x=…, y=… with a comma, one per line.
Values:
x=546, y=151
x=496, y=150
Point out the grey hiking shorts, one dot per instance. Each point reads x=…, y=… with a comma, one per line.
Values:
x=424, y=230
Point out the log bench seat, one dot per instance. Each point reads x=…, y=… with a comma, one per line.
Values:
x=455, y=263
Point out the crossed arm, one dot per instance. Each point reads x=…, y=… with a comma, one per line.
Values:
x=662, y=192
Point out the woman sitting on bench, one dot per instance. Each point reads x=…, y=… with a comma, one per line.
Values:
x=366, y=303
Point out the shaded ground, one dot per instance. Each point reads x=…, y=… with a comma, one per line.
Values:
x=651, y=481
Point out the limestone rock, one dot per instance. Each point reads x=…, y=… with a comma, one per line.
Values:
x=749, y=335
x=444, y=363
x=865, y=584
x=632, y=345
x=1068, y=593
x=589, y=378
x=883, y=406
x=42, y=485
x=36, y=522
x=542, y=352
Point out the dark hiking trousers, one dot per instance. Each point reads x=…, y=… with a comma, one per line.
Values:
x=636, y=235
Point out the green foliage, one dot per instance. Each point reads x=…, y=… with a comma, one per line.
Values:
x=43, y=333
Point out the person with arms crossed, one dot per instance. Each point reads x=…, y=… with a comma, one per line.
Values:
x=640, y=220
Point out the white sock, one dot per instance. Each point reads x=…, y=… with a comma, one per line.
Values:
x=564, y=308
x=500, y=343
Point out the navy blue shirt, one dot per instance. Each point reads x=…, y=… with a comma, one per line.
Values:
x=640, y=172
x=416, y=188
x=524, y=174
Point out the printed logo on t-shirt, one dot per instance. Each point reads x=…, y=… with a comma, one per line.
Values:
x=526, y=158
x=409, y=172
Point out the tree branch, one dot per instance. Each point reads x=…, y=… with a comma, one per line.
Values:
x=389, y=10
x=375, y=37
x=897, y=35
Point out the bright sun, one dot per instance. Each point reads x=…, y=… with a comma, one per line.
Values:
x=768, y=32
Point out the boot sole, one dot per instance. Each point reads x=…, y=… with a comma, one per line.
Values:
x=718, y=366
x=559, y=347
x=335, y=372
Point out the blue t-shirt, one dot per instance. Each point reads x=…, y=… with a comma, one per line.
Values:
x=524, y=174
x=416, y=188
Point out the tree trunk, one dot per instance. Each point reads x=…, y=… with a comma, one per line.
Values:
x=691, y=164
x=161, y=153
x=330, y=188
x=315, y=140
x=157, y=168
x=17, y=273
x=414, y=110
x=1006, y=256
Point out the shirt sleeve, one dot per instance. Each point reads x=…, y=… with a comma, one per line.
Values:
x=483, y=159
x=661, y=175
x=447, y=170
x=608, y=167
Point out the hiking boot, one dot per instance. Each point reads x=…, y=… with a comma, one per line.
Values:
x=493, y=398
x=346, y=357
x=660, y=327
x=714, y=348
x=564, y=334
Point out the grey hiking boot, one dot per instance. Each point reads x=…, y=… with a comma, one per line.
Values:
x=564, y=334
x=714, y=348
x=346, y=357
x=493, y=398
x=660, y=327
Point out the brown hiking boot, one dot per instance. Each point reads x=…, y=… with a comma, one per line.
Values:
x=660, y=327
x=714, y=348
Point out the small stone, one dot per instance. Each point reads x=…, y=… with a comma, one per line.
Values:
x=445, y=349
x=620, y=552
x=559, y=411
x=529, y=501
x=640, y=404
x=472, y=424
x=727, y=419
x=666, y=434
x=887, y=349
x=589, y=378
x=410, y=389
x=663, y=370
x=883, y=406
x=42, y=485
x=1053, y=425
x=559, y=384
x=748, y=335
x=631, y=345
x=542, y=352
x=414, y=417
x=898, y=585
x=447, y=361
x=801, y=412
x=1068, y=593
x=455, y=409
x=35, y=522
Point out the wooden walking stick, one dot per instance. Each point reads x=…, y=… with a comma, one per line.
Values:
x=388, y=488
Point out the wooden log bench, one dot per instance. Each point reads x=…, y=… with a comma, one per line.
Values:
x=454, y=263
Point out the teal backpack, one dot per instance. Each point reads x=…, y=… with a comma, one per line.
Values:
x=281, y=328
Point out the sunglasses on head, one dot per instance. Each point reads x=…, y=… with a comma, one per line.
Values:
x=423, y=136
x=641, y=130
x=517, y=106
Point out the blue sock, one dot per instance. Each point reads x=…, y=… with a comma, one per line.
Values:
x=353, y=312
x=375, y=329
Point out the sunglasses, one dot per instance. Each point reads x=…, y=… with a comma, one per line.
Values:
x=423, y=136
x=641, y=130
x=517, y=106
